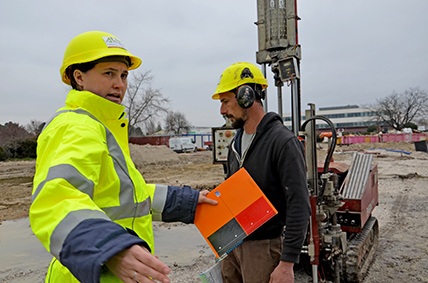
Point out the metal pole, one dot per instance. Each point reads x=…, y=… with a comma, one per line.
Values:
x=315, y=273
x=311, y=150
x=265, y=104
x=295, y=102
x=311, y=161
x=280, y=113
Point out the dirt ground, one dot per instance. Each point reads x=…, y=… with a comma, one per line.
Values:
x=402, y=254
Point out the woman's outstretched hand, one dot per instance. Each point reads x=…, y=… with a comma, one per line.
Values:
x=137, y=264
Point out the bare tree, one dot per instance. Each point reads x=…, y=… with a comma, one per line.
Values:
x=423, y=122
x=176, y=123
x=151, y=127
x=35, y=127
x=143, y=103
x=159, y=128
x=136, y=132
x=11, y=132
x=399, y=109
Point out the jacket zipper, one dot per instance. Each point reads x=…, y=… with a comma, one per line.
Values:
x=241, y=160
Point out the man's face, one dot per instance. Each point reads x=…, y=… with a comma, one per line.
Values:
x=231, y=109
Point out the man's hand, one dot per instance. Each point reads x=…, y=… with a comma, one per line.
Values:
x=203, y=198
x=283, y=273
x=137, y=264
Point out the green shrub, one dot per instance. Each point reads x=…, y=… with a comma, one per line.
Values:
x=21, y=148
x=411, y=126
x=2, y=154
x=372, y=129
x=28, y=148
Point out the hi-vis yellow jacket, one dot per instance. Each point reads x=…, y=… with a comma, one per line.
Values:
x=89, y=200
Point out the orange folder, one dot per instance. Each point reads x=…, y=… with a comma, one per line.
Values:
x=242, y=208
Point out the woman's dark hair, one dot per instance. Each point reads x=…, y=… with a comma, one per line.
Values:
x=84, y=67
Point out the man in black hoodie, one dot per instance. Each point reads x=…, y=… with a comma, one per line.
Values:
x=274, y=158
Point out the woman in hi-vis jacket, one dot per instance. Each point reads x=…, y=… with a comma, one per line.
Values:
x=91, y=208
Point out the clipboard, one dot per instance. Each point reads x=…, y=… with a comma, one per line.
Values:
x=242, y=208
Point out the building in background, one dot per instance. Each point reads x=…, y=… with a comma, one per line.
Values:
x=347, y=119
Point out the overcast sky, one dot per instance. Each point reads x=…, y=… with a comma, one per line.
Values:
x=353, y=52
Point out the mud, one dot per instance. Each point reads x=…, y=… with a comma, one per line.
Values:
x=402, y=254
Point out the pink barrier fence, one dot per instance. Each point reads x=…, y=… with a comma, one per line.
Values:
x=415, y=137
x=404, y=137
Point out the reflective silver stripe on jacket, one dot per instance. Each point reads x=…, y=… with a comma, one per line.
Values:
x=127, y=208
x=71, y=175
x=66, y=225
x=159, y=200
x=126, y=184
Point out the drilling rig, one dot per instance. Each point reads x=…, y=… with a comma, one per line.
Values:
x=342, y=233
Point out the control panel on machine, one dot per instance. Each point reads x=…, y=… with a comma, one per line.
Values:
x=288, y=69
x=222, y=137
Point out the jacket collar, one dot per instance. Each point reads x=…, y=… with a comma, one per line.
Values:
x=98, y=106
x=267, y=122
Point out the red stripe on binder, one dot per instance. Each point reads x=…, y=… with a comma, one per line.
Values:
x=255, y=215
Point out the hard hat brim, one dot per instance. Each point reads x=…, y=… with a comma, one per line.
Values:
x=135, y=61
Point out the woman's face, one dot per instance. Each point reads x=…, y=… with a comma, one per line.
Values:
x=107, y=79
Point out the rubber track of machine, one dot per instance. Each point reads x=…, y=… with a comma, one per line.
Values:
x=360, y=252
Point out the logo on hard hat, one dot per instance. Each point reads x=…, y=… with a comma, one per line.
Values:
x=246, y=73
x=113, y=42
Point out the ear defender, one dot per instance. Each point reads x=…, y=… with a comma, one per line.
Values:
x=245, y=95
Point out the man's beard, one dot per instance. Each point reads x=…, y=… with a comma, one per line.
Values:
x=238, y=123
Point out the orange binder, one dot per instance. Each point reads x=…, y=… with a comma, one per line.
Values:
x=242, y=208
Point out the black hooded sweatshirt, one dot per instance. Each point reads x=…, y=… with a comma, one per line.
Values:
x=275, y=160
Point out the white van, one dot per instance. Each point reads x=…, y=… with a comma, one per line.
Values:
x=182, y=144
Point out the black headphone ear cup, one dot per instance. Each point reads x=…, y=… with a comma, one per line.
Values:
x=245, y=96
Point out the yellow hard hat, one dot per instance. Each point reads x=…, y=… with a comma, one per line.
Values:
x=93, y=45
x=238, y=74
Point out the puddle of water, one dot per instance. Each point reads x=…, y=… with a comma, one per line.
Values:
x=180, y=244
x=19, y=247
x=21, y=251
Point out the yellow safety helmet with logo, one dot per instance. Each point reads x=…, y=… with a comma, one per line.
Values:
x=94, y=45
x=239, y=74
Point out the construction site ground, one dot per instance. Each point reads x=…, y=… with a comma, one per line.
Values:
x=402, y=254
